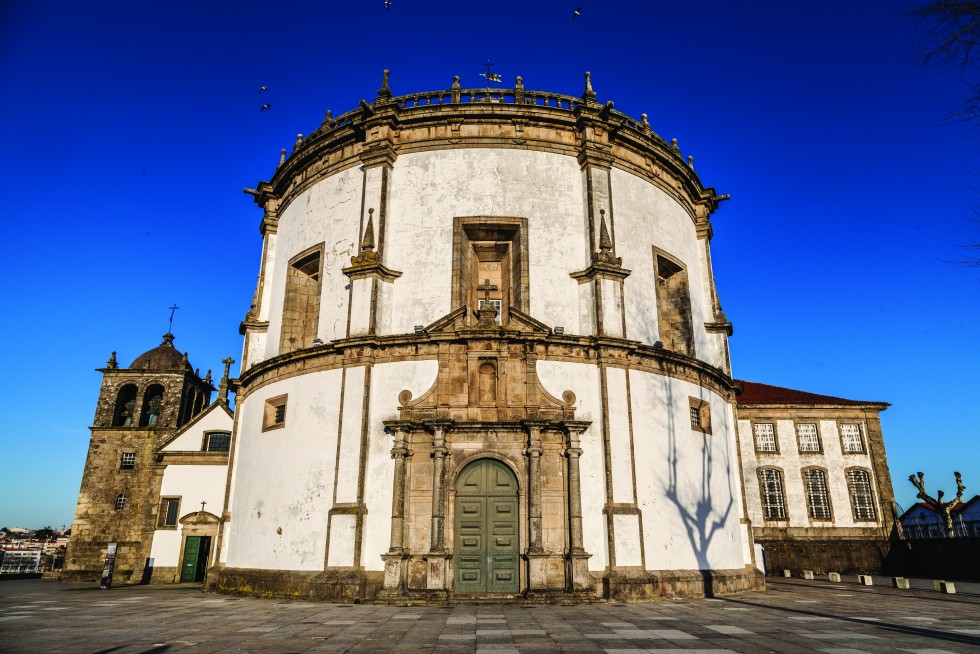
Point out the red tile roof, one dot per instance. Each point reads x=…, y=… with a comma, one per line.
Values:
x=756, y=393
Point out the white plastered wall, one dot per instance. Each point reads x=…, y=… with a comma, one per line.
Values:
x=429, y=189
x=646, y=217
x=327, y=213
x=687, y=482
x=284, y=478
x=792, y=462
x=191, y=439
x=193, y=484
x=387, y=381
x=583, y=380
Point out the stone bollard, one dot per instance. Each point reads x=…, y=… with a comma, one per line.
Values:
x=865, y=580
x=947, y=587
x=900, y=582
x=833, y=576
x=808, y=574
x=936, y=585
x=787, y=573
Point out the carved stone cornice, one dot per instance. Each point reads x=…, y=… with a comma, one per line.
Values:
x=720, y=326
x=363, y=266
x=600, y=270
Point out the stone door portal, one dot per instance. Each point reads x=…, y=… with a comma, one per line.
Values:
x=486, y=529
x=195, y=564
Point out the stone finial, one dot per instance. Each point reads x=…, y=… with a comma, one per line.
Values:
x=384, y=93
x=673, y=144
x=455, y=91
x=111, y=363
x=207, y=377
x=605, y=243
x=588, y=95
x=183, y=359
x=605, y=255
x=327, y=119
x=223, y=385
x=282, y=156
x=690, y=161
x=519, y=90
x=299, y=142
x=367, y=243
x=197, y=372
x=646, y=123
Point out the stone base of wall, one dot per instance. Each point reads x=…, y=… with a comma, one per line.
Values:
x=361, y=586
x=843, y=555
x=331, y=585
x=163, y=575
x=665, y=584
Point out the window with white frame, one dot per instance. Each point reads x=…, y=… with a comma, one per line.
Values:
x=120, y=502
x=765, y=437
x=850, y=438
x=773, y=498
x=817, y=496
x=862, y=501
x=808, y=436
x=127, y=461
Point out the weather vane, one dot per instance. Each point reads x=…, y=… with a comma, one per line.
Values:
x=172, y=310
x=490, y=75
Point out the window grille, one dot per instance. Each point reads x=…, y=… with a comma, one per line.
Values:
x=859, y=483
x=218, y=441
x=120, y=502
x=127, y=461
x=695, y=417
x=773, y=500
x=280, y=414
x=851, y=438
x=817, y=496
x=765, y=437
x=808, y=437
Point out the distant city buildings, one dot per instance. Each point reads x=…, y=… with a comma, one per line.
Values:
x=25, y=551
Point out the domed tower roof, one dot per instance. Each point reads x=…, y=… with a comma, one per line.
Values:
x=163, y=357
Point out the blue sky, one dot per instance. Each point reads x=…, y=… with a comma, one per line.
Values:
x=127, y=131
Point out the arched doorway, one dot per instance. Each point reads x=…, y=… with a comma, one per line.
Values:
x=486, y=529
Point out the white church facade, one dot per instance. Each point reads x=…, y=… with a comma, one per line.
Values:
x=485, y=357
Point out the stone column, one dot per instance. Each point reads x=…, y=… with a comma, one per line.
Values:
x=394, y=579
x=533, y=453
x=436, y=572
x=578, y=557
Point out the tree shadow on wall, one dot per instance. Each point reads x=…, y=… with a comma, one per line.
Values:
x=700, y=525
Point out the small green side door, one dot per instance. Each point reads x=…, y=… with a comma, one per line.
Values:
x=195, y=565
x=486, y=531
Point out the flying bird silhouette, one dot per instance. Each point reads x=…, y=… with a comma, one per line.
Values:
x=576, y=13
x=263, y=88
x=387, y=5
x=265, y=106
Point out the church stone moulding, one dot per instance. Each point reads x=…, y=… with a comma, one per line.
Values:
x=490, y=379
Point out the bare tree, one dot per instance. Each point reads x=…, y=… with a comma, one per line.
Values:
x=942, y=508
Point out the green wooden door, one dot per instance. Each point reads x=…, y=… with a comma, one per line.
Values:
x=195, y=564
x=486, y=531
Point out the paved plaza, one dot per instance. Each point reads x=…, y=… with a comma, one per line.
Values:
x=791, y=616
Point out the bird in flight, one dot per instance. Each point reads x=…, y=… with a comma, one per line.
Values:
x=387, y=5
x=265, y=106
x=263, y=88
x=576, y=13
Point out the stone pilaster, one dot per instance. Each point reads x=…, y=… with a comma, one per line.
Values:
x=437, y=558
x=578, y=557
x=394, y=579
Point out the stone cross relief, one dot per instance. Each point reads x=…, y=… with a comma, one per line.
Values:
x=486, y=287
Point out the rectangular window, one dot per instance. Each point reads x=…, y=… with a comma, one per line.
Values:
x=301, y=305
x=765, y=437
x=673, y=304
x=817, y=497
x=274, y=415
x=120, y=502
x=862, y=501
x=218, y=441
x=490, y=259
x=127, y=461
x=700, y=415
x=169, y=510
x=773, y=499
x=808, y=437
x=850, y=438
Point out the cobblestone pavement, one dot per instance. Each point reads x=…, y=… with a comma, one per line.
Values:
x=792, y=616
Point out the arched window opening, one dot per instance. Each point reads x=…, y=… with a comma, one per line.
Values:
x=152, y=406
x=773, y=497
x=198, y=402
x=862, y=499
x=301, y=305
x=817, y=494
x=125, y=406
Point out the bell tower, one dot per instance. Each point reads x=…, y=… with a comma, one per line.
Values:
x=139, y=408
